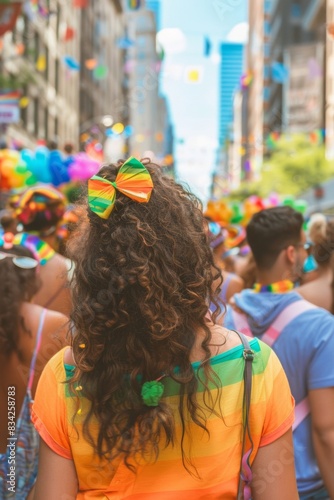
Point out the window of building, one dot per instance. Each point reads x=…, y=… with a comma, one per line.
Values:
x=296, y=12
x=266, y=50
x=24, y=111
x=46, y=72
x=57, y=75
x=266, y=72
x=56, y=127
x=266, y=28
x=266, y=94
x=58, y=20
x=36, y=47
x=41, y=128
x=36, y=116
x=46, y=122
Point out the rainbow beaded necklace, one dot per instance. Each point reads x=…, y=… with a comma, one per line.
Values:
x=278, y=287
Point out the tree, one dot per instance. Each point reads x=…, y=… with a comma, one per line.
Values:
x=295, y=164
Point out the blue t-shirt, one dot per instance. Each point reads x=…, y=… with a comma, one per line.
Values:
x=305, y=349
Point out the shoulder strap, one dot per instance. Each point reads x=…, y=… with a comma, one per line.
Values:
x=245, y=474
x=302, y=409
x=241, y=323
x=289, y=313
x=37, y=346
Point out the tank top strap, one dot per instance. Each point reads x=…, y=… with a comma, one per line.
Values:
x=36, y=350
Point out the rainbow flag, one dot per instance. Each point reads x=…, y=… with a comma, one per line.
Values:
x=9, y=97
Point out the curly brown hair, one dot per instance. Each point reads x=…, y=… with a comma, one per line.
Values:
x=141, y=288
x=16, y=286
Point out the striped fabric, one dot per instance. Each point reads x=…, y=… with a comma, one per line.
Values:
x=41, y=250
x=132, y=179
x=216, y=458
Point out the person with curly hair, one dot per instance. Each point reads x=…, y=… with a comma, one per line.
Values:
x=29, y=337
x=40, y=209
x=318, y=286
x=148, y=401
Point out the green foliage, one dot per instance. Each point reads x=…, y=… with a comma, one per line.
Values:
x=17, y=82
x=294, y=166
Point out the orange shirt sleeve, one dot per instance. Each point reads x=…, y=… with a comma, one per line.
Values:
x=49, y=409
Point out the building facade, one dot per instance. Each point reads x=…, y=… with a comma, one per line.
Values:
x=155, y=7
x=329, y=103
x=232, y=60
x=231, y=70
x=102, y=84
x=148, y=113
x=288, y=60
x=72, y=70
x=257, y=97
x=33, y=58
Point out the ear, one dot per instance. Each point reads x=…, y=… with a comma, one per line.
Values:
x=291, y=254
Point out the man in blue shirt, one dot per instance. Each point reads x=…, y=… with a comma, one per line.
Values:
x=302, y=336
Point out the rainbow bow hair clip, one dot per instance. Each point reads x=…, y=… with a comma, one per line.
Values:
x=133, y=180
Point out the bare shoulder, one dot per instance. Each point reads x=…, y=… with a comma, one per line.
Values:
x=68, y=357
x=319, y=294
x=223, y=339
x=59, y=264
x=57, y=326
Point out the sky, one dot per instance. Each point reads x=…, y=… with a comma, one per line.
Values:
x=194, y=107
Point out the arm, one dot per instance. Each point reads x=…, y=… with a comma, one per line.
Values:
x=57, y=478
x=322, y=411
x=53, y=340
x=274, y=471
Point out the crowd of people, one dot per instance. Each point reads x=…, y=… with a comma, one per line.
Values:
x=155, y=353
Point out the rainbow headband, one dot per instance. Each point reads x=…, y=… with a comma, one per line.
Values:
x=133, y=180
x=41, y=250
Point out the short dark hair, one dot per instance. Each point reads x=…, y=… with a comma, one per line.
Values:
x=271, y=230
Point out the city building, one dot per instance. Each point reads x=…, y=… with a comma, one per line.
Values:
x=288, y=60
x=257, y=97
x=33, y=61
x=231, y=70
x=155, y=7
x=292, y=25
x=68, y=67
x=148, y=112
x=329, y=103
x=103, y=90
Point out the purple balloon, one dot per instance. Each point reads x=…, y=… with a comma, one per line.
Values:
x=83, y=167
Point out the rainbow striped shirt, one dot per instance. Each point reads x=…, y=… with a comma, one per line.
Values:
x=216, y=458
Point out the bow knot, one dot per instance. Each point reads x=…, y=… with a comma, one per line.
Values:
x=132, y=179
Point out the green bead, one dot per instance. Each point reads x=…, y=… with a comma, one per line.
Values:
x=151, y=393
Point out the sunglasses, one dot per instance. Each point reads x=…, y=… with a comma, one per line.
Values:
x=21, y=262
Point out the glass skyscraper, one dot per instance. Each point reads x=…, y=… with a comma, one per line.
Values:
x=232, y=55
